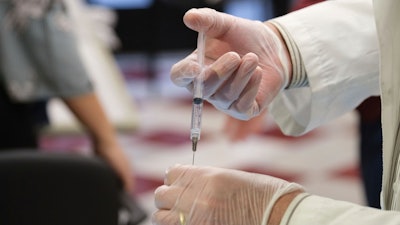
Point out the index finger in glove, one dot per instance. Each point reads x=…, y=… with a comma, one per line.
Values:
x=184, y=71
x=175, y=172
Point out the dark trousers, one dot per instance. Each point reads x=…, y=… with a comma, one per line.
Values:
x=17, y=124
x=371, y=164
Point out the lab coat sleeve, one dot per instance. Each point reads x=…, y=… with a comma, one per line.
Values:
x=316, y=210
x=338, y=44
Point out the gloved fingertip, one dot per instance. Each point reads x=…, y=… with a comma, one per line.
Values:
x=170, y=168
x=251, y=56
x=188, y=15
x=192, y=10
x=200, y=19
x=176, y=165
x=200, y=10
x=156, y=190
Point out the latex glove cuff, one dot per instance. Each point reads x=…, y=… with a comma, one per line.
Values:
x=299, y=75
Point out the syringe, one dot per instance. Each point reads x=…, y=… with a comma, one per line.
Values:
x=197, y=105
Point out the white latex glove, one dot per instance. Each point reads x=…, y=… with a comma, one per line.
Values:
x=213, y=196
x=248, y=64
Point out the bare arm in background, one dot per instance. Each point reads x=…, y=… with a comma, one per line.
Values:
x=90, y=113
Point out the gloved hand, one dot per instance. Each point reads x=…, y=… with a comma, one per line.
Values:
x=209, y=196
x=247, y=62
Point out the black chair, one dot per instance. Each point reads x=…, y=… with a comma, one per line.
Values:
x=39, y=188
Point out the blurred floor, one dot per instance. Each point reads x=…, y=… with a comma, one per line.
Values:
x=324, y=161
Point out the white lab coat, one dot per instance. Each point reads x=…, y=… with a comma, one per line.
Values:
x=343, y=56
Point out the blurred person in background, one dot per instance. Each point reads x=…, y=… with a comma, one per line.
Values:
x=39, y=60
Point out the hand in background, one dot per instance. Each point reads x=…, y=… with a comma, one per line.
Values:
x=239, y=130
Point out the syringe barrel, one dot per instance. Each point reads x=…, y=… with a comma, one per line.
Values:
x=196, y=118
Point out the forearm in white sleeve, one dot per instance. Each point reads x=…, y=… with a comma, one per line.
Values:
x=338, y=45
